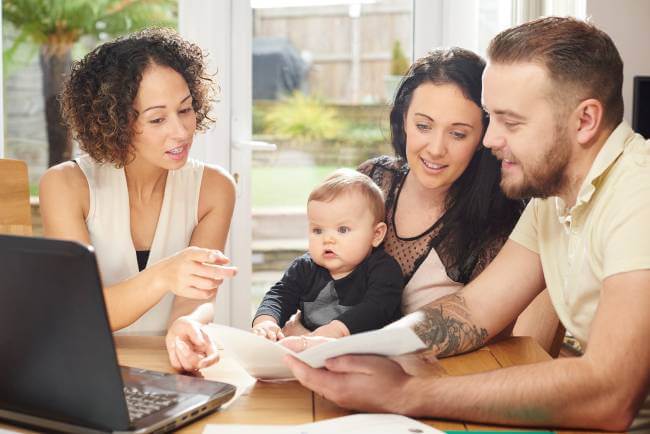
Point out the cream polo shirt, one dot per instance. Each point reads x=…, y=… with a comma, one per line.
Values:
x=606, y=232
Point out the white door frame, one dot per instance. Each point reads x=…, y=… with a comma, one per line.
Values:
x=427, y=26
x=241, y=121
x=434, y=25
x=223, y=28
x=444, y=23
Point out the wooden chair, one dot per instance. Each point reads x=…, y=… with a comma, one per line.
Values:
x=15, y=211
x=540, y=321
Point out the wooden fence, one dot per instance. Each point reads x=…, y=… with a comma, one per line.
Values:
x=349, y=56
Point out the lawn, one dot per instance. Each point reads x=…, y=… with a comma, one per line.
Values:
x=286, y=186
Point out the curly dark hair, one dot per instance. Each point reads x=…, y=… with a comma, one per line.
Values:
x=97, y=97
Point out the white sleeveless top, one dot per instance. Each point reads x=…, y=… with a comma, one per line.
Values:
x=109, y=225
x=429, y=282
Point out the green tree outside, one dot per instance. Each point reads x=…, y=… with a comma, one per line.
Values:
x=54, y=26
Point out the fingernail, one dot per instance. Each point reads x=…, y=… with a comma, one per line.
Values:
x=213, y=255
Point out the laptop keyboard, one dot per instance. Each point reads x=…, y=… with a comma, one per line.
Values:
x=141, y=404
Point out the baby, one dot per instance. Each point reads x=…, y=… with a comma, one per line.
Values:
x=345, y=284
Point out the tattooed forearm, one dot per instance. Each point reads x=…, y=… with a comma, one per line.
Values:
x=447, y=328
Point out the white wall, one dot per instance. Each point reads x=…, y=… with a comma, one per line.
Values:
x=628, y=24
x=468, y=23
x=454, y=33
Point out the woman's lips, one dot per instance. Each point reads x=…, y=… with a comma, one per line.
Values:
x=177, y=153
x=433, y=167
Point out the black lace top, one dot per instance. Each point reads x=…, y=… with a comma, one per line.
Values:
x=389, y=174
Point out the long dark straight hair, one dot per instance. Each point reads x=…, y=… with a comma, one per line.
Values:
x=477, y=211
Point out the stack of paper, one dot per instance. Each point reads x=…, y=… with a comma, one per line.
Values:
x=355, y=424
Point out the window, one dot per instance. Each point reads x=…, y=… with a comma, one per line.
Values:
x=323, y=78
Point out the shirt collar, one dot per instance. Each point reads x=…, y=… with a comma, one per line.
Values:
x=609, y=153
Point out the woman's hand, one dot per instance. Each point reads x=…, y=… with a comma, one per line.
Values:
x=193, y=272
x=294, y=326
x=189, y=347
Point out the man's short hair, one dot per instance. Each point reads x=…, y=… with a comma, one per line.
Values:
x=582, y=60
x=344, y=181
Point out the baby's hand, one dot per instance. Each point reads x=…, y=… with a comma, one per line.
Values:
x=333, y=329
x=268, y=329
x=294, y=326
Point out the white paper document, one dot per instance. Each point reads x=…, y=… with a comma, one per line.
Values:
x=262, y=358
x=354, y=424
x=228, y=370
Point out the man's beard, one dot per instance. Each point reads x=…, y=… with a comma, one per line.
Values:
x=545, y=177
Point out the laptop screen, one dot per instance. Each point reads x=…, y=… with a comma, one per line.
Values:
x=57, y=356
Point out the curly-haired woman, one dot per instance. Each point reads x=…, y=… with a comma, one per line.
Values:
x=157, y=219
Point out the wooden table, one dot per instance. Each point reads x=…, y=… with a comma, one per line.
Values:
x=290, y=403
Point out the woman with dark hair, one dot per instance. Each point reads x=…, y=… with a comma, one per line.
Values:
x=447, y=217
x=157, y=219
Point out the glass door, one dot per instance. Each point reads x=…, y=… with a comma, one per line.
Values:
x=323, y=75
x=314, y=77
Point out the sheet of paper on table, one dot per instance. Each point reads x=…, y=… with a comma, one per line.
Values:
x=262, y=358
x=354, y=424
x=228, y=370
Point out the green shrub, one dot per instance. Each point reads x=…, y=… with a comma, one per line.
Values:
x=399, y=63
x=259, y=116
x=363, y=134
x=303, y=118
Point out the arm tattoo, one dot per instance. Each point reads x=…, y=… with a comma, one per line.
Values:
x=446, y=327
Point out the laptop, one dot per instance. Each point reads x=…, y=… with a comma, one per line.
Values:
x=58, y=367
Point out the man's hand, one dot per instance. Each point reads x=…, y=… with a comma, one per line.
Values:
x=358, y=382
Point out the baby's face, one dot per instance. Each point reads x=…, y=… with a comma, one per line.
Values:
x=342, y=232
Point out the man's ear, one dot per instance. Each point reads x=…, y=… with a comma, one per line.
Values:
x=588, y=120
x=379, y=234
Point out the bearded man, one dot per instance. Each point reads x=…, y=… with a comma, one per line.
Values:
x=553, y=90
